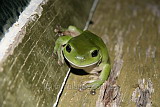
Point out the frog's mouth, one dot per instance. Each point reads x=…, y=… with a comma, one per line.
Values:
x=82, y=66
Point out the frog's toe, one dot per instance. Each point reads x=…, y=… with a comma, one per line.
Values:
x=94, y=77
x=94, y=85
x=87, y=82
x=84, y=86
x=57, y=29
x=96, y=70
x=59, y=62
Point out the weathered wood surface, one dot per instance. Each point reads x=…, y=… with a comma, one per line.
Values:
x=31, y=76
x=131, y=31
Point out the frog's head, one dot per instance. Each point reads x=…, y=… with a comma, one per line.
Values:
x=81, y=54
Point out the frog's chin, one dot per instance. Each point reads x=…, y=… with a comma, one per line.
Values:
x=81, y=66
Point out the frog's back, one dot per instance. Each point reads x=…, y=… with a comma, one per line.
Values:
x=94, y=39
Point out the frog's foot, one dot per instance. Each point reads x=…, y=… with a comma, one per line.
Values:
x=94, y=77
x=84, y=84
x=60, y=59
x=59, y=30
x=96, y=70
x=60, y=62
x=62, y=32
x=88, y=82
x=94, y=84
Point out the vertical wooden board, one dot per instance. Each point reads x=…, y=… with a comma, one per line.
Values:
x=132, y=27
x=31, y=77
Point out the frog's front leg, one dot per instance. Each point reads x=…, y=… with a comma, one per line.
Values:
x=60, y=42
x=102, y=78
x=95, y=71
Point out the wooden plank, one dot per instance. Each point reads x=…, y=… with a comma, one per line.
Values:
x=31, y=76
x=130, y=30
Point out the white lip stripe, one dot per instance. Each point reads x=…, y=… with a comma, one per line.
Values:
x=83, y=65
x=16, y=33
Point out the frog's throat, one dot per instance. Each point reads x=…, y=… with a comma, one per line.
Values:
x=82, y=66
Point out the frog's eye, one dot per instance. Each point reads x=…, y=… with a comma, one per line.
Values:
x=68, y=48
x=94, y=53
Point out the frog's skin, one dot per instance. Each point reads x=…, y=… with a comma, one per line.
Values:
x=84, y=50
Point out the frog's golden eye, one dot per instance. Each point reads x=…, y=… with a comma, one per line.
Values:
x=68, y=48
x=95, y=53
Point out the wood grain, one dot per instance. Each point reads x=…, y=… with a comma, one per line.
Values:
x=131, y=31
x=31, y=76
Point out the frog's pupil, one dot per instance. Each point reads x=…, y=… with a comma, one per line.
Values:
x=94, y=53
x=68, y=48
